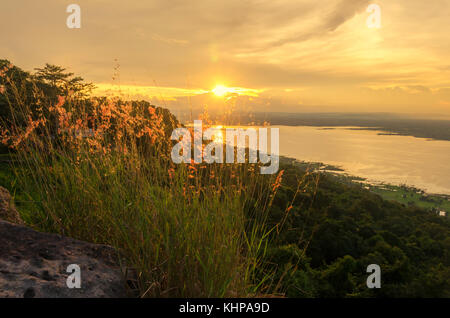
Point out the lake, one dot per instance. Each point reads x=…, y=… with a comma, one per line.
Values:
x=391, y=159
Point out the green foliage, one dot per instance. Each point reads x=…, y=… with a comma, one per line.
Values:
x=347, y=228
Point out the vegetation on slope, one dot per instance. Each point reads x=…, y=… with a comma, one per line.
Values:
x=99, y=169
x=335, y=230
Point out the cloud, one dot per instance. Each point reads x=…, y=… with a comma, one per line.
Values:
x=343, y=11
x=321, y=49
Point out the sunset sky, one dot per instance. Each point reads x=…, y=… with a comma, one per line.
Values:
x=277, y=55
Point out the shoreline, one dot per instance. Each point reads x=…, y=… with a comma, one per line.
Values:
x=405, y=194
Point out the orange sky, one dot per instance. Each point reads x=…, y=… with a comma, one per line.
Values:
x=278, y=55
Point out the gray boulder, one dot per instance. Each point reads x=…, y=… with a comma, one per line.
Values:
x=34, y=264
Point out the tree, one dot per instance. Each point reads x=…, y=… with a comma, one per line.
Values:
x=61, y=82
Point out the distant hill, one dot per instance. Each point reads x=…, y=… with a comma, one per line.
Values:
x=438, y=129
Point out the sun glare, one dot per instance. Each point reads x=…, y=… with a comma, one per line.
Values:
x=218, y=137
x=221, y=90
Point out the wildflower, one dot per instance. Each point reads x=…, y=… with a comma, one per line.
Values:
x=4, y=136
x=61, y=101
x=2, y=89
x=171, y=172
x=5, y=69
x=278, y=180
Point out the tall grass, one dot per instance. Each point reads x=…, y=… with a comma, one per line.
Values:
x=99, y=170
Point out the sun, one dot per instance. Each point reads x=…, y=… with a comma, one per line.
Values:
x=218, y=137
x=220, y=90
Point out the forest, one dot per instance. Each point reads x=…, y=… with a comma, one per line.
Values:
x=335, y=230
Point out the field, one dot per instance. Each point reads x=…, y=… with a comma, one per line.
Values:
x=409, y=196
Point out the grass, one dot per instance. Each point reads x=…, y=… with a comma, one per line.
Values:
x=185, y=230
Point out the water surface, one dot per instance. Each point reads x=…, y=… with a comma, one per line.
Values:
x=383, y=158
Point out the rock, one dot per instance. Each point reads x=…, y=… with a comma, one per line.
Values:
x=34, y=264
x=7, y=210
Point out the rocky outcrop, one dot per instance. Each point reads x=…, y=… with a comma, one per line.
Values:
x=34, y=264
x=7, y=210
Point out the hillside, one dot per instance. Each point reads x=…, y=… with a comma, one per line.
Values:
x=99, y=170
